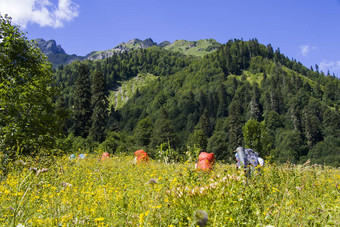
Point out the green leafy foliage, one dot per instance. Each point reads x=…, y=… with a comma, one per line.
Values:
x=217, y=144
x=143, y=132
x=117, y=142
x=326, y=152
x=290, y=145
x=198, y=138
x=163, y=131
x=28, y=116
x=256, y=137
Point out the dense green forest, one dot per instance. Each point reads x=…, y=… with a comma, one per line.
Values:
x=245, y=94
x=242, y=94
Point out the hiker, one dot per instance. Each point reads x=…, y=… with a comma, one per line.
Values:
x=141, y=157
x=247, y=159
x=81, y=156
x=206, y=161
x=72, y=157
x=105, y=156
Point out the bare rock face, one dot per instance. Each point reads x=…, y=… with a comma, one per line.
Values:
x=55, y=53
x=49, y=47
x=142, y=44
x=148, y=43
x=134, y=42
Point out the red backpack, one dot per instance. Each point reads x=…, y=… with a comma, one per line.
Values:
x=205, y=161
x=141, y=156
x=105, y=155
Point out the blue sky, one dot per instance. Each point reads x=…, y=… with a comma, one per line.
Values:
x=306, y=30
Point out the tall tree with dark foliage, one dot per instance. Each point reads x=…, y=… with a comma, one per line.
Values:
x=100, y=106
x=82, y=102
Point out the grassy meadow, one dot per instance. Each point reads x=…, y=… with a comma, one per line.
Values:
x=57, y=191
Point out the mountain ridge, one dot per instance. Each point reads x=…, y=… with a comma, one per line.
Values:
x=57, y=56
x=49, y=47
x=55, y=53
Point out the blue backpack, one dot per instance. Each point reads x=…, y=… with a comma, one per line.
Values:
x=252, y=157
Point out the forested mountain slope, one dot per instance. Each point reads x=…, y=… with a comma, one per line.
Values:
x=243, y=94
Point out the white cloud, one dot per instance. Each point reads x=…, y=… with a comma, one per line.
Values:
x=306, y=49
x=329, y=65
x=337, y=65
x=326, y=65
x=42, y=12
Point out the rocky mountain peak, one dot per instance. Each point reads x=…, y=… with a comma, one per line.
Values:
x=142, y=43
x=134, y=42
x=49, y=47
x=148, y=43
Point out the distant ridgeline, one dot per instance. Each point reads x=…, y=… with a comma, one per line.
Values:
x=57, y=55
x=210, y=96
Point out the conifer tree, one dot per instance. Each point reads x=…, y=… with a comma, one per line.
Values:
x=275, y=101
x=273, y=121
x=204, y=124
x=218, y=145
x=212, y=104
x=255, y=108
x=163, y=131
x=64, y=114
x=82, y=103
x=198, y=138
x=312, y=129
x=143, y=132
x=235, y=121
x=290, y=145
x=331, y=90
x=100, y=107
x=222, y=110
x=202, y=101
x=331, y=123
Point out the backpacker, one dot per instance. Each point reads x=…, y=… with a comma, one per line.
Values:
x=247, y=159
x=252, y=157
x=141, y=157
x=206, y=161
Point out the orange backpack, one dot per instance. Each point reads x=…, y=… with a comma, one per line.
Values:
x=141, y=156
x=105, y=155
x=205, y=161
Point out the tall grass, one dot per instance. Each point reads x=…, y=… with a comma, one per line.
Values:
x=117, y=193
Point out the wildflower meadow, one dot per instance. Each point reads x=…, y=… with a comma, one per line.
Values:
x=59, y=191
